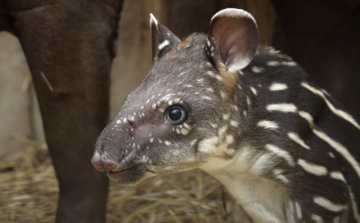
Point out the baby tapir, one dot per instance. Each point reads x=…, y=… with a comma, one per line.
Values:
x=283, y=149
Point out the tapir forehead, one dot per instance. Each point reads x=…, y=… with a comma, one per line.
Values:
x=183, y=73
x=184, y=58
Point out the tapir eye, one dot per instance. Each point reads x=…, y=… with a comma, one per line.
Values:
x=176, y=114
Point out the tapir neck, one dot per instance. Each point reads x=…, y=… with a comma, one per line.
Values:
x=263, y=200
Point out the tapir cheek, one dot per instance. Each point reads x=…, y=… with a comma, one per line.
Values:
x=150, y=133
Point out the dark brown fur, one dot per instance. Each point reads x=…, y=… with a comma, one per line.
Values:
x=70, y=42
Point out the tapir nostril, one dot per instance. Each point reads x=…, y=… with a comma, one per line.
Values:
x=98, y=164
x=109, y=165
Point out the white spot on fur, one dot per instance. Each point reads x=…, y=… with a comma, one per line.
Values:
x=192, y=143
x=206, y=97
x=278, y=175
x=307, y=117
x=268, y=124
x=283, y=107
x=278, y=87
x=340, y=149
x=223, y=95
x=354, y=206
x=284, y=63
x=222, y=131
x=210, y=89
x=164, y=44
x=312, y=168
x=210, y=73
x=229, y=139
x=253, y=90
x=208, y=145
x=281, y=153
x=182, y=73
x=338, y=176
x=226, y=116
x=234, y=123
x=329, y=205
x=208, y=42
x=331, y=155
x=256, y=69
x=187, y=126
x=189, y=85
x=118, y=121
x=273, y=63
x=317, y=218
x=262, y=163
x=97, y=155
x=167, y=142
x=295, y=137
x=336, y=111
x=235, y=107
x=184, y=131
x=289, y=63
x=248, y=101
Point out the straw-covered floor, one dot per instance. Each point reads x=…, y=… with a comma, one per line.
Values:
x=28, y=193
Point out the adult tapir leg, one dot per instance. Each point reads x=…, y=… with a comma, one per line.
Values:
x=68, y=45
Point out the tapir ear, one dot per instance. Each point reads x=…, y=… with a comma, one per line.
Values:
x=235, y=35
x=163, y=40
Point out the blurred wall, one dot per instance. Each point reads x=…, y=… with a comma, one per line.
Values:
x=15, y=103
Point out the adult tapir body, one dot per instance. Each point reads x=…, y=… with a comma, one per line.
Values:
x=283, y=149
x=68, y=45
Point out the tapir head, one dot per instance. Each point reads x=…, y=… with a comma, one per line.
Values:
x=184, y=113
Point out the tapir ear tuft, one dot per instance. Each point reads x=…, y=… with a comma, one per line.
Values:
x=163, y=40
x=235, y=35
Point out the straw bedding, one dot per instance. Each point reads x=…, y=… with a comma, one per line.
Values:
x=28, y=193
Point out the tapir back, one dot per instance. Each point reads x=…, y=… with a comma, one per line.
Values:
x=317, y=140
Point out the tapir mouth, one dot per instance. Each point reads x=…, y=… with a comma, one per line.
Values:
x=128, y=176
x=115, y=173
x=121, y=171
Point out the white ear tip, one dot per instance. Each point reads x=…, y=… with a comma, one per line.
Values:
x=153, y=20
x=232, y=12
